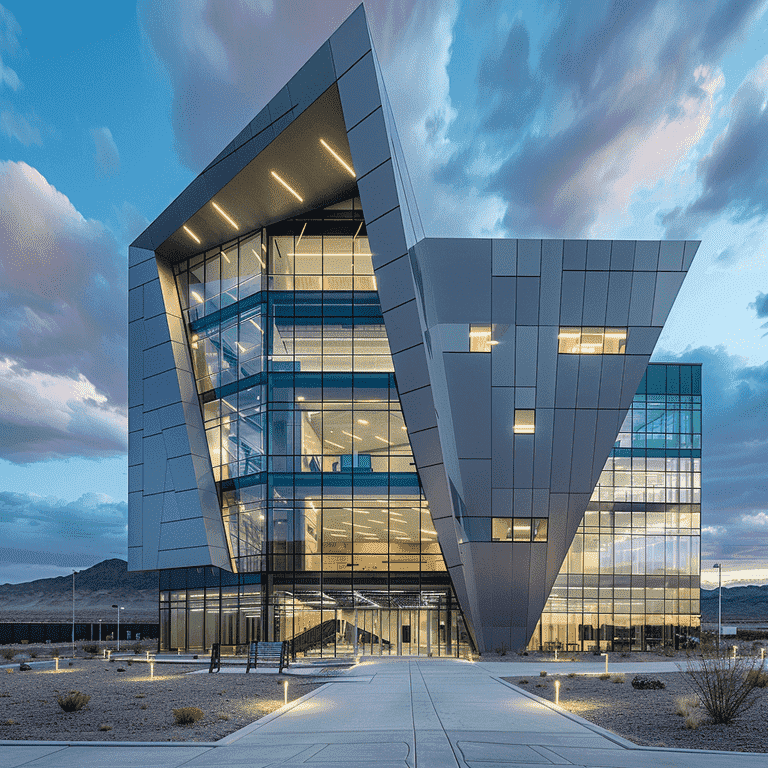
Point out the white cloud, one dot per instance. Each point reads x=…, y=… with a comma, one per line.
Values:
x=63, y=325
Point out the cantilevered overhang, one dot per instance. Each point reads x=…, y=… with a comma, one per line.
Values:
x=240, y=192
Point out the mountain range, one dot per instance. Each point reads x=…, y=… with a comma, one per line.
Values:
x=96, y=590
x=109, y=582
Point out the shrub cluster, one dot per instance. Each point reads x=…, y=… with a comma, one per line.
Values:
x=187, y=715
x=74, y=701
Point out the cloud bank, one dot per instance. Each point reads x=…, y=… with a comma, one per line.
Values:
x=63, y=325
x=66, y=535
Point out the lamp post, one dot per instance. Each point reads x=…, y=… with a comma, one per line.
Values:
x=119, y=608
x=73, y=613
x=719, y=602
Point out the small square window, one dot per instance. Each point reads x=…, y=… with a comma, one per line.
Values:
x=525, y=422
x=540, y=526
x=521, y=529
x=501, y=529
x=481, y=338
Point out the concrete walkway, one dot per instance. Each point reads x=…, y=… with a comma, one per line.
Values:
x=399, y=713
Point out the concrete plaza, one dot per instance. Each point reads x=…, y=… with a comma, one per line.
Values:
x=400, y=713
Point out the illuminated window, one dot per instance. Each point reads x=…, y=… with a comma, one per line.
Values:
x=481, y=338
x=525, y=422
x=518, y=529
x=592, y=341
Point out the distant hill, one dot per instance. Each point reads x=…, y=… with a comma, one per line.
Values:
x=739, y=604
x=96, y=590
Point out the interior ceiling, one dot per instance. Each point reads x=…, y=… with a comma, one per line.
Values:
x=254, y=198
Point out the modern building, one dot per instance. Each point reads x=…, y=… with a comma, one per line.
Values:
x=348, y=435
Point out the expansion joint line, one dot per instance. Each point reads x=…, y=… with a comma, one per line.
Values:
x=437, y=715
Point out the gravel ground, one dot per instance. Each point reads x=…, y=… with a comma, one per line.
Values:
x=649, y=717
x=134, y=706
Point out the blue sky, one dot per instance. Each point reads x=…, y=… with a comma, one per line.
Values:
x=517, y=119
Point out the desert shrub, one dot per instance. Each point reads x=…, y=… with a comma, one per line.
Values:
x=543, y=673
x=501, y=650
x=105, y=727
x=9, y=721
x=91, y=648
x=618, y=678
x=694, y=719
x=136, y=647
x=55, y=653
x=187, y=715
x=33, y=654
x=223, y=717
x=725, y=686
x=571, y=674
x=604, y=676
x=140, y=696
x=143, y=706
x=522, y=682
x=9, y=653
x=684, y=704
x=74, y=701
x=759, y=678
x=643, y=683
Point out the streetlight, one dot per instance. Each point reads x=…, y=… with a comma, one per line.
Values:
x=73, y=613
x=719, y=602
x=119, y=608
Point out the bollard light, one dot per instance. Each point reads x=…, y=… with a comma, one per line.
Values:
x=557, y=692
x=606, y=660
x=285, y=686
x=147, y=655
x=734, y=653
x=57, y=663
x=762, y=654
x=555, y=654
x=151, y=668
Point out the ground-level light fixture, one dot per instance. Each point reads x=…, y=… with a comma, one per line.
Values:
x=288, y=187
x=224, y=215
x=557, y=692
x=341, y=162
x=285, y=688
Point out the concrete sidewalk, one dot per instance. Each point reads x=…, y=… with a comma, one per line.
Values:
x=399, y=713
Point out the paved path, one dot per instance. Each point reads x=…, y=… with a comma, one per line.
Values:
x=397, y=713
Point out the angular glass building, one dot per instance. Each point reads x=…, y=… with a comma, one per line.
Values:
x=362, y=440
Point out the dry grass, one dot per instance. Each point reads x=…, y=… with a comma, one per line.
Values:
x=187, y=715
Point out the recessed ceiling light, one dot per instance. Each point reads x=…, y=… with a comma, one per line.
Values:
x=288, y=187
x=191, y=234
x=224, y=215
x=346, y=166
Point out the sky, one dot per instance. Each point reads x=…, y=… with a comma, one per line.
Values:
x=518, y=119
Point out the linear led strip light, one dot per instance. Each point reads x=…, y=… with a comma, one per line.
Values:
x=224, y=215
x=288, y=187
x=348, y=168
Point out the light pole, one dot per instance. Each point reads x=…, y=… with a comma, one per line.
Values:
x=719, y=602
x=119, y=608
x=73, y=613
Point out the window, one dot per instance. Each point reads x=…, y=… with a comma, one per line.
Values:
x=525, y=422
x=519, y=529
x=481, y=338
x=592, y=341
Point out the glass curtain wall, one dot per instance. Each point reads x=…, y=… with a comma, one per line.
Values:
x=328, y=528
x=630, y=581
